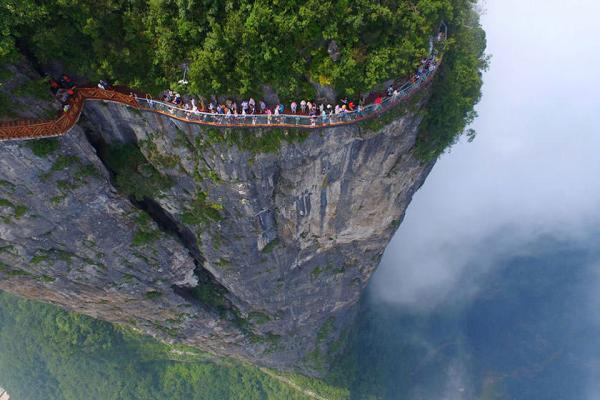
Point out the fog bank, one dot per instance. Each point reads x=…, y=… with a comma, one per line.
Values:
x=532, y=169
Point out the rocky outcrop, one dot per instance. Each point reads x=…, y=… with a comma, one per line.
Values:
x=252, y=244
x=20, y=94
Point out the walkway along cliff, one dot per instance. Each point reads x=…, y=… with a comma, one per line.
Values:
x=250, y=244
x=31, y=129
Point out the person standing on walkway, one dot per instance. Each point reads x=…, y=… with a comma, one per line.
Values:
x=390, y=91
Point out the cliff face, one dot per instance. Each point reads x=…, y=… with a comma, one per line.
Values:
x=252, y=244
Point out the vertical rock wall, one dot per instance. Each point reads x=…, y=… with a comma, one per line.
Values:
x=257, y=244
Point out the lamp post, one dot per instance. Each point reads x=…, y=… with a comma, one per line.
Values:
x=183, y=81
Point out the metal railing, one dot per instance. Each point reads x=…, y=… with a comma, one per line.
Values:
x=287, y=120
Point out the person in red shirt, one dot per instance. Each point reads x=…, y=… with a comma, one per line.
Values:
x=54, y=86
x=378, y=102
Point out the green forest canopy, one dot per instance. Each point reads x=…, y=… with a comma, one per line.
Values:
x=48, y=353
x=233, y=47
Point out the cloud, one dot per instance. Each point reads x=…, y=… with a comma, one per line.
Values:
x=532, y=172
x=532, y=169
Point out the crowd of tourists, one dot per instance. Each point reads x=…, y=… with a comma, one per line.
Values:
x=62, y=89
x=230, y=109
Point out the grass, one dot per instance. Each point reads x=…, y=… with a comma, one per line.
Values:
x=141, y=238
x=208, y=294
x=169, y=331
x=315, y=273
x=152, y=295
x=17, y=272
x=63, y=162
x=202, y=211
x=146, y=233
x=7, y=185
x=53, y=255
x=161, y=160
x=56, y=200
x=79, y=177
x=317, y=359
x=39, y=258
x=319, y=270
x=134, y=176
x=271, y=339
x=213, y=296
x=9, y=249
x=79, y=172
x=43, y=147
x=259, y=317
x=18, y=209
x=224, y=264
x=86, y=171
x=12, y=272
x=65, y=185
x=320, y=387
x=5, y=203
x=65, y=256
x=264, y=141
x=271, y=246
x=47, y=279
x=325, y=330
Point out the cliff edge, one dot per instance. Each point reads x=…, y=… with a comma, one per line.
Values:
x=254, y=244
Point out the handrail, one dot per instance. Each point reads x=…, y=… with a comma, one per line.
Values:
x=25, y=129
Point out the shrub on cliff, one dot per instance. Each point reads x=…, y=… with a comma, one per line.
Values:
x=456, y=89
x=133, y=175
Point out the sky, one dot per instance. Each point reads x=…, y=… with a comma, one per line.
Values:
x=533, y=166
